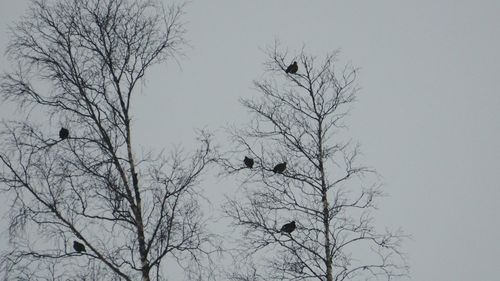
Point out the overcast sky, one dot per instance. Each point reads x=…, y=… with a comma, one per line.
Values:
x=427, y=116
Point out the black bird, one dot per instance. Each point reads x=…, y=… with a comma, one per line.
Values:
x=288, y=227
x=292, y=68
x=63, y=133
x=280, y=168
x=79, y=247
x=248, y=162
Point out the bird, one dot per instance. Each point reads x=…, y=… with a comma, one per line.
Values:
x=280, y=168
x=63, y=133
x=292, y=68
x=79, y=247
x=288, y=227
x=248, y=162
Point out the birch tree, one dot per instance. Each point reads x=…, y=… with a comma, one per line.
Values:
x=306, y=208
x=86, y=205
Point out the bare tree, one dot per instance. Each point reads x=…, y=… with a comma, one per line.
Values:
x=298, y=120
x=79, y=66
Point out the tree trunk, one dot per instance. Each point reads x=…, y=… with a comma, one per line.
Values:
x=145, y=266
x=326, y=213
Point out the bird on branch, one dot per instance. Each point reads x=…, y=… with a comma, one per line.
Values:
x=292, y=68
x=248, y=162
x=280, y=168
x=288, y=227
x=79, y=247
x=63, y=133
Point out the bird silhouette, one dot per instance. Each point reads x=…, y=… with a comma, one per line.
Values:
x=292, y=68
x=280, y=168
x=63, y=133
x=288, y=227
x=79, y=247
x=248, y=162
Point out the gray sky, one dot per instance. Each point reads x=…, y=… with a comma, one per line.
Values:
x=427, y=116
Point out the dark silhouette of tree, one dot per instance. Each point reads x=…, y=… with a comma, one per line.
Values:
x=301, y=118
x=248, y=162
x=292, y=68
x=80, y=63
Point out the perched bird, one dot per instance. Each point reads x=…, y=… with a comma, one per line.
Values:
x=292, y=68
x=79, y=247
x=288, y=227
x=248, y=162
x=63, y=133
x=280, y=168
